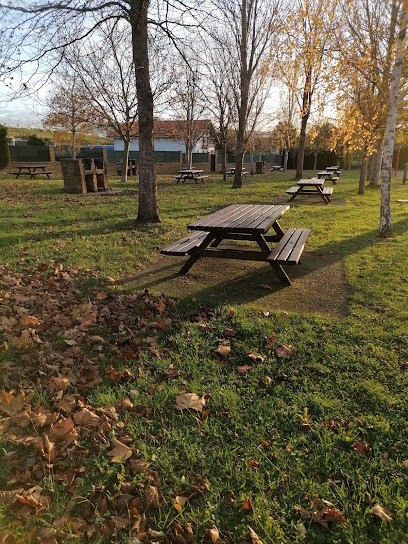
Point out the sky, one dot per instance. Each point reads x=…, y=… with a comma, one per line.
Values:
x=22, y=112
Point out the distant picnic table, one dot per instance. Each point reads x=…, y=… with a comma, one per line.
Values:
x=231, y=172
x=248, y=222
x=328, y=175
x=190, y=173
x=33, y=170
x=307, y=187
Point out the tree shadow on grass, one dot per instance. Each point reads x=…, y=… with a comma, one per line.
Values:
x=318, y=284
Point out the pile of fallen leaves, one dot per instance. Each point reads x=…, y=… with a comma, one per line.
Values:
x=47, y=442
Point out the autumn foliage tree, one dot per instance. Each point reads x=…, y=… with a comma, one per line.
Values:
x=301, y=60
x=66, y=109
x=375, y=45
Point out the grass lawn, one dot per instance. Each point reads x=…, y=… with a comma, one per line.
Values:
x=299, y=428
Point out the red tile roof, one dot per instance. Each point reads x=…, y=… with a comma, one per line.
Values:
x=172, y=129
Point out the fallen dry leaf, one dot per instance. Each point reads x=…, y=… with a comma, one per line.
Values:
x=255, y=356
x=224, y=351
x=381, y=512
x=214, y=535
x=190, y=401
x=151, y=496
x=181, y=500
x=405, y=463
x=243, y=369
x=139, y=466
x=120, y=452
x=285, y=352
x=362, y=448
x=254, y=537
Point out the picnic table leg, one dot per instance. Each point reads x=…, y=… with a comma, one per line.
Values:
x=325, y=197
x=196, y=254
x=295, y=194
x=263, y=244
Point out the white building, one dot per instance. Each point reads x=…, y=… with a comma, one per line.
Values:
x=171, y=135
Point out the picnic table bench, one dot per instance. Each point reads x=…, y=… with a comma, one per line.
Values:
x=276, y=168
x=32, y=170
x=306, y=187
x=249, y=222
x=190, y=173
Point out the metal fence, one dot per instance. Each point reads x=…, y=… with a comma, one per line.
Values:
x=29, y=153
x=269, y=158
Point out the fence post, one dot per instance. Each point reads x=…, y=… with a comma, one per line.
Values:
x=52, y=157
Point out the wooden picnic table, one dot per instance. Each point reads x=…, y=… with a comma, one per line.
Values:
x=328, y=175
x=276, y=168
x=231, y=172
x=190, y=173
x=249, y=222
x=335, y=169
x=33, y=170
x=315, y=186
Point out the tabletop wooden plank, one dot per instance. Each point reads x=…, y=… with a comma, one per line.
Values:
x=226, y=221
x=311, y=182
x=213, y=218
x=227, y=214
x=241, y=218
x=267, y=222
x=248, y=216
x=261, y=217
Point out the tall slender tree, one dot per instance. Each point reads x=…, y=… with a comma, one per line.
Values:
x=252, y=26
x=37, y=28
x=301, y=60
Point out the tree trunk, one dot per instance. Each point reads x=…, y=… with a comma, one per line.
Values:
x=285, y=159
x=301, y=151
x=385, y=207
x=315, y=161
x=239, y=161
x=370, y=167
x=189, y=156
x=73, y=144
x=244, y=97
x=148, y=210
x=346, y=159
x=397, y=160
x=224, y=160
x=375, y=173
x=363, y=175
x=125, y=161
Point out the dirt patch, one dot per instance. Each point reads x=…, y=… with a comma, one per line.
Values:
x=318, y=284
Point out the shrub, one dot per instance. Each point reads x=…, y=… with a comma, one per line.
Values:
x=4, y=148
x=33, y=139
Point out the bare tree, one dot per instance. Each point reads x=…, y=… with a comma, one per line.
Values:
x=66, y=107
x=188, y=105
x=251, y=26
x=106, y=71
x=219, y=94
x=38, y=28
